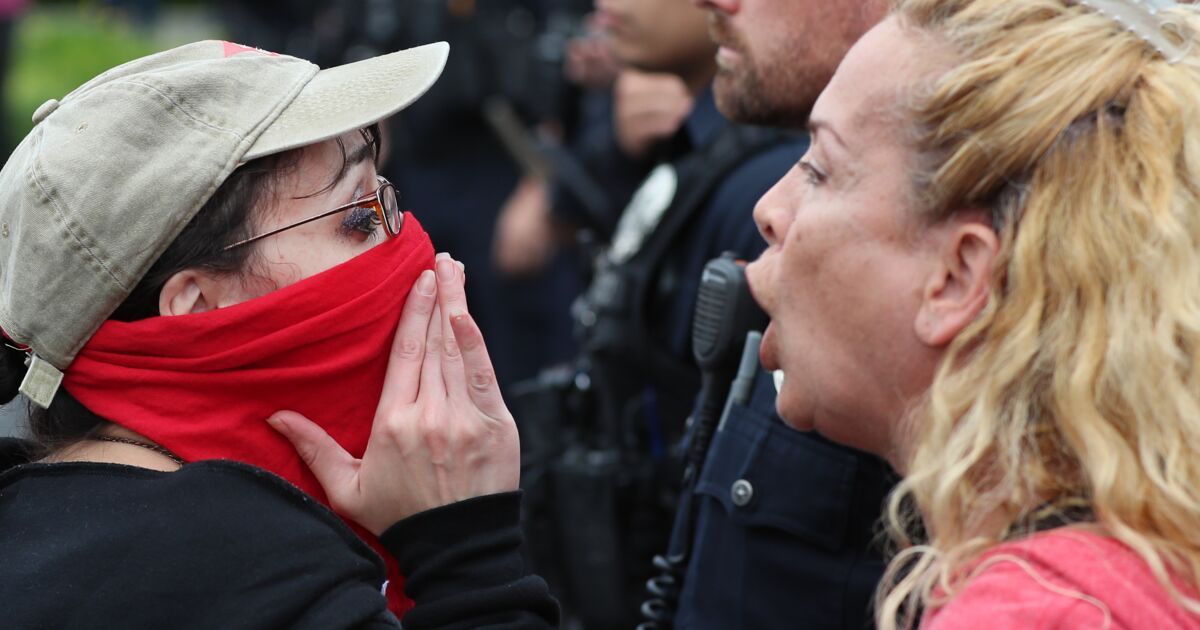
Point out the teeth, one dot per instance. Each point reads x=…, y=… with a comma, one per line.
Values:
x=725, y=59
x=778, y=376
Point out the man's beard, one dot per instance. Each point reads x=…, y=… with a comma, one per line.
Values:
x=743, y=97
x=752, y=93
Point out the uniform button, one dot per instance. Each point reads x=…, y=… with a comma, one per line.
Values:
x=741, y=492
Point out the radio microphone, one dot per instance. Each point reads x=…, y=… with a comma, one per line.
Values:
x=725, y=345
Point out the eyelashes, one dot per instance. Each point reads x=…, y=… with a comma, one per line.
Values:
x=813, y=174
x=360, y=220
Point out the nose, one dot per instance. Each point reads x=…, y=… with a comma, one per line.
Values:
x=772, y=214
x=728, y=7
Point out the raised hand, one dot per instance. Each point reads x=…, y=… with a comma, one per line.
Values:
x=648, y=108
x=441, y=433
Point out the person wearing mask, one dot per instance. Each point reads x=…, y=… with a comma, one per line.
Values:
x=226, y=327
x=984, y=271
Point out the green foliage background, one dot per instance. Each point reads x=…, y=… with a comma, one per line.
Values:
x=57, y=46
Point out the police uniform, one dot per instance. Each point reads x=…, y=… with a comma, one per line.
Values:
x=785, y=527
x=636, y=315
x=784, y=532
x=612, y=488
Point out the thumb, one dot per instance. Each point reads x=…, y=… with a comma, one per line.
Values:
x=335, y=469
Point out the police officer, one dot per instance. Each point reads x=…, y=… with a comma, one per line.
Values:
x=635, y=318
x=784, y=521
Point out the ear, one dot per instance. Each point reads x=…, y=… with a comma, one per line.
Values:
x=193, y=291
x=958, y=288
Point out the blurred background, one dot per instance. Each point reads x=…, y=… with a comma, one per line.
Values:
x=50, y=47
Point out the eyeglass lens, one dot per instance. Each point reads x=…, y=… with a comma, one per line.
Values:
x=391, y=207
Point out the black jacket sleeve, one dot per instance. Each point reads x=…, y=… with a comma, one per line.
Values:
x=464, y=568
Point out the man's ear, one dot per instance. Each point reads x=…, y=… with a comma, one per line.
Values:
x=957, y=289
x=193, y=291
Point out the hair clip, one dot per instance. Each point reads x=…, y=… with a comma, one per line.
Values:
x=1140, y=17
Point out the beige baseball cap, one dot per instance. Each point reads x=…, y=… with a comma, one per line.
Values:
x=113, y=171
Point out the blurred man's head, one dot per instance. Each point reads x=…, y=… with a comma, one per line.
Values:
x=776, y=56
x=661, y=36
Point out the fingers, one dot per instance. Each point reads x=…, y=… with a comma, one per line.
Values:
x=480, y=377
x=432, y=384
x=466, y=365
x=403, y=379
x=452, y=301
x=417, y=352
x=452, y=297
x=648, y=107
x=335, y=469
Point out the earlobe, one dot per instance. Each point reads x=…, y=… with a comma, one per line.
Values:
x=184, y=294
x=959, y=286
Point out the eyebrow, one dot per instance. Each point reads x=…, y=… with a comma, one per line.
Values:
x=819, y=124
x=360, y=155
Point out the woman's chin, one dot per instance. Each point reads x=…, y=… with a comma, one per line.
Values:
x=795, y=419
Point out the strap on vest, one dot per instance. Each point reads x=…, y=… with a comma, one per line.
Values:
x=631, y=286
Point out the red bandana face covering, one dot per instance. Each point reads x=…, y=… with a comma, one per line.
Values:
x=202, y=385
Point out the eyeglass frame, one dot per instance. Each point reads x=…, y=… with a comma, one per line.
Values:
x=371, y=199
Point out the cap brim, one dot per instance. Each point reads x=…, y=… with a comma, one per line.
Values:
x=352, y=96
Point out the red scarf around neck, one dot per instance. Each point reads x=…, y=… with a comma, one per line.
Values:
x=202, y=385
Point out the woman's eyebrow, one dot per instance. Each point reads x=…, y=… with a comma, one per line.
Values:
x=364, y=152
x=360, y=154
x=817, y=125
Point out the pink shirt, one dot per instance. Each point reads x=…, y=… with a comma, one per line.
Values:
x=1063, y=578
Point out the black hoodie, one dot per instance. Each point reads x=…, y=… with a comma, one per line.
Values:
x=220, y=544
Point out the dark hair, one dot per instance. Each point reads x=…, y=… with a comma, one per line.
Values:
x=227, y=217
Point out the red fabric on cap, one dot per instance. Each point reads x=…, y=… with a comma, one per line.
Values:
x=202, y=385
x=232, y=49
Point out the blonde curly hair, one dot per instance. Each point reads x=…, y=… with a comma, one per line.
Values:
x=1079, y=383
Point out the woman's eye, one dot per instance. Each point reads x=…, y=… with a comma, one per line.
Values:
x=360, y=219
x=812, y=173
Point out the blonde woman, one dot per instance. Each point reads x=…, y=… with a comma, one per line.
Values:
x=987, y=270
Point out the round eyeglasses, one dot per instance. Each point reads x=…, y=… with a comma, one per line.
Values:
x=384, y=201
